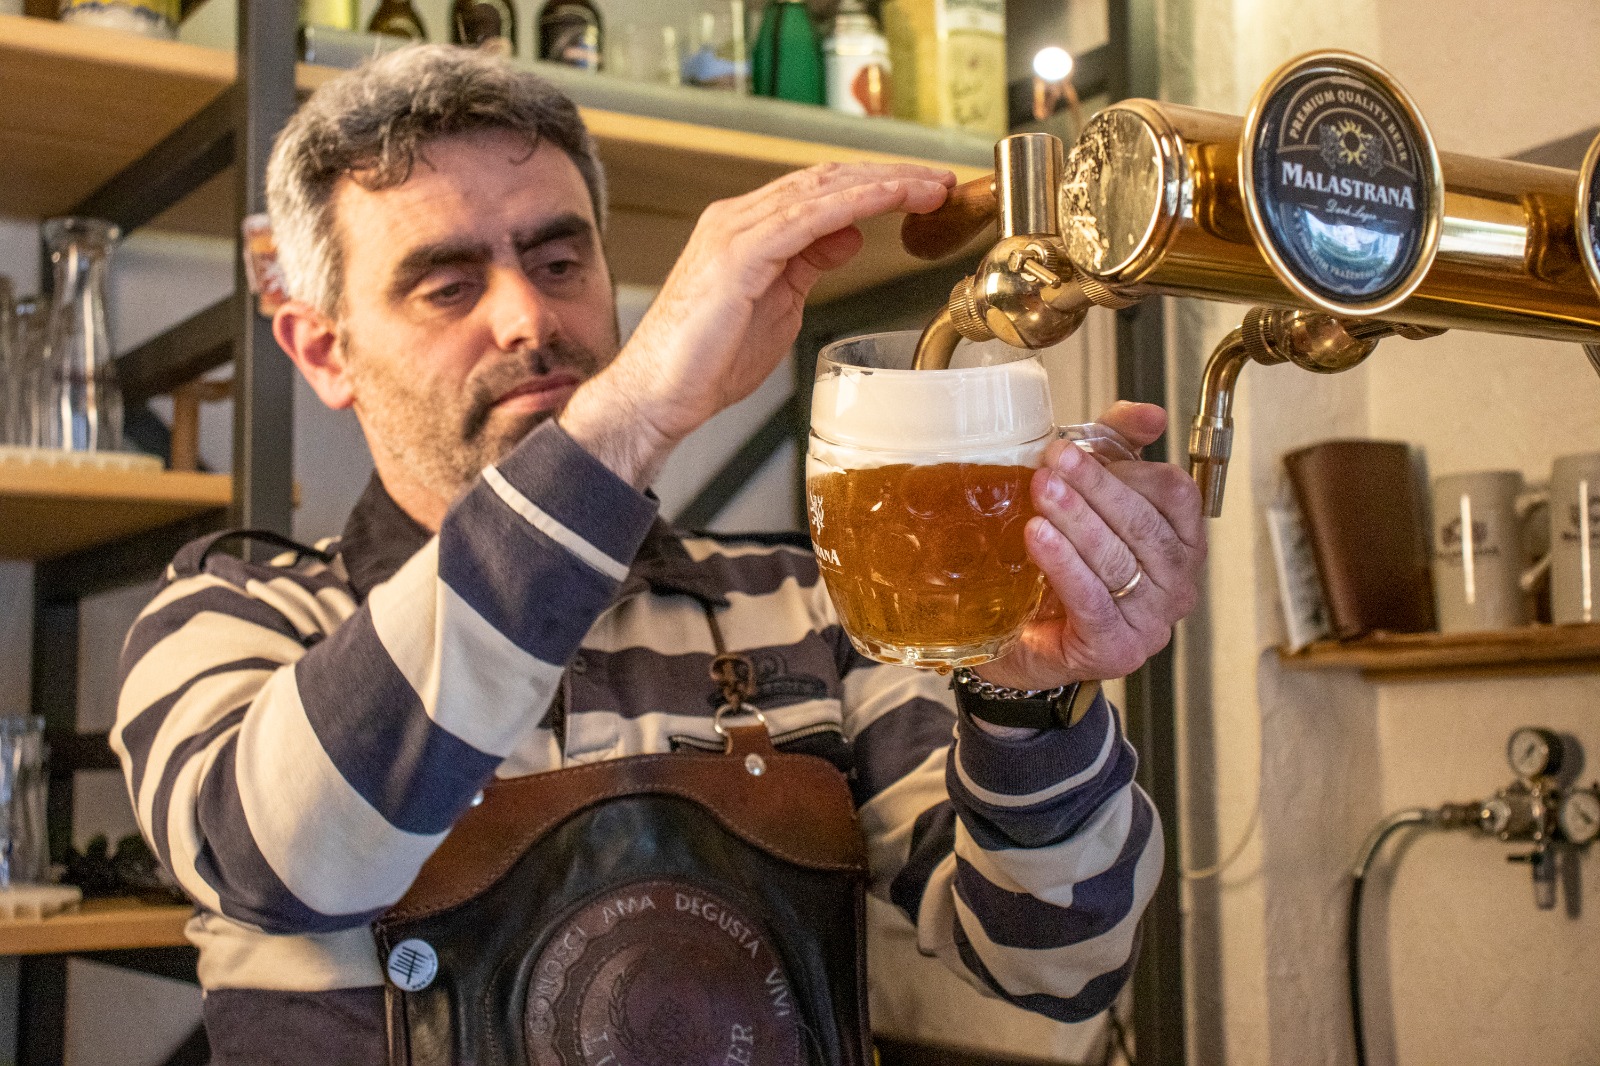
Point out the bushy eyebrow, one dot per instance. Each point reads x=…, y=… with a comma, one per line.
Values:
x=420, y=262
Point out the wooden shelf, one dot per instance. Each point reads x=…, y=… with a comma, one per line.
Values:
x=84, y=103
x=48, y=511
x=101, y=925
x=1536, y=649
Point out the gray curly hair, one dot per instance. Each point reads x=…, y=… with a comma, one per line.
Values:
x=371, y=124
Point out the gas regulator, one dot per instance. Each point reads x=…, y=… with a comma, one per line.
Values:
x=1537, y=809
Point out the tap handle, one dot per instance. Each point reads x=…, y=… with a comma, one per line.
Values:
x=969, y=209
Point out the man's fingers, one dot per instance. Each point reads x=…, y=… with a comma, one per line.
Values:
x=799, y=224
x=1174, y=493
x=1105, y=553
x=826, y=178
x=1140, y=423
x=1113, y=524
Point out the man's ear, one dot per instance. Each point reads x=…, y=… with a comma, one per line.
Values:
x=312, y=341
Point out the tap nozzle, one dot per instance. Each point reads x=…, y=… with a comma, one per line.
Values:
x=1313, y=340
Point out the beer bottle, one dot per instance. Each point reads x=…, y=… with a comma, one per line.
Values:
x=490, y=24
x=398, y=18
x=335, y=14
x=786, y=61
x=570, y=33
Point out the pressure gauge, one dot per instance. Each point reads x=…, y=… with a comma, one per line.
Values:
x=1533, y=751
x=1579, y=815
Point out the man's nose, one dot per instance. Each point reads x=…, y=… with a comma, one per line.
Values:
x=520, y=316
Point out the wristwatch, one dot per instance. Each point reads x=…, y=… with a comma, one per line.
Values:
x=1027, y=708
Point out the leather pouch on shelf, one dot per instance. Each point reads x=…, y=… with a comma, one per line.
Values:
x=1369, y=534
x=676, y=908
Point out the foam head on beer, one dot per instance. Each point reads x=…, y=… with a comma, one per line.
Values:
x=920, y=416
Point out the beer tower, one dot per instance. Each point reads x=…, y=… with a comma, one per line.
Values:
x=1327, y=207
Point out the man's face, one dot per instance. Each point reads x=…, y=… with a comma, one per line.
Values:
x=476, y=299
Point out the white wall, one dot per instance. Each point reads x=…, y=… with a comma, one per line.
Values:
x=1461, y=967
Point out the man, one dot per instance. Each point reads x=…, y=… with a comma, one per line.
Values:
x=300, y=737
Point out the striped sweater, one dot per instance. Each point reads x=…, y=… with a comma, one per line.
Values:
x=298, y=737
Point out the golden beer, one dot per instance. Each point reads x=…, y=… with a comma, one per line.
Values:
x=926, y=562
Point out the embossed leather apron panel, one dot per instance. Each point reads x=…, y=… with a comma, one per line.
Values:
x=659, y=910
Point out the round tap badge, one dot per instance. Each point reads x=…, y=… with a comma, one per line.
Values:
x=1588, y=220
x=1341, y=182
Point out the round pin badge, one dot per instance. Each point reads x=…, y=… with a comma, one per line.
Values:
x=1341, y=184
x=413, y=964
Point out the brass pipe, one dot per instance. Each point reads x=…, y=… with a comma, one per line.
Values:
x=937, y=345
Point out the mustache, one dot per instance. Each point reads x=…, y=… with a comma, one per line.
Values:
x=496, y=379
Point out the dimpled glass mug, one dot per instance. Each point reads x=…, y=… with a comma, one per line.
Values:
x=918, y=491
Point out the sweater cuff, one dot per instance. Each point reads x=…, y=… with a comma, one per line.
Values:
x=1046, y=762
x=579, y=492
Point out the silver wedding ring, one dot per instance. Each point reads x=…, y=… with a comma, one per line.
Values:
x=1133, y=583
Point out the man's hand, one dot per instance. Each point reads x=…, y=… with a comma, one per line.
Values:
x=730, y=310
x=1096, y=528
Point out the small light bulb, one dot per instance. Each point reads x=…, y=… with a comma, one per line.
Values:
x=1053, y=64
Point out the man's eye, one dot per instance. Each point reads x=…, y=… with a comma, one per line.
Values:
x=446, y=294
x=559, y=268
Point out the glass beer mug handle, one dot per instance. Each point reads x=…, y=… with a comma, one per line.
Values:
x=1099, y=440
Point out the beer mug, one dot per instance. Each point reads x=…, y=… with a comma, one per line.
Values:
x=918, y=491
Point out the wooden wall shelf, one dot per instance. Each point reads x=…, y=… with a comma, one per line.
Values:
x=101, y=925
x=48, y=511
x=85, y=102
x=1537, y=649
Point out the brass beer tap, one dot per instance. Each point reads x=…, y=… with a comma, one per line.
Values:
x=1025, y=291
x=1327, y=208
x=1313, y=340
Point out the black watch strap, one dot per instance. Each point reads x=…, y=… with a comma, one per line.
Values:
x=1051, y=709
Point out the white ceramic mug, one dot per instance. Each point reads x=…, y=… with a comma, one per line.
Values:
x=1575, y=538
x=1480, y=550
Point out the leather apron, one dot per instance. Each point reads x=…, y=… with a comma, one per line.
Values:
x=675, y=909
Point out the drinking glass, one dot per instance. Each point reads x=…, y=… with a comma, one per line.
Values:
x=918, y=491
x=23, y=844
x=11, y=386
x=32, y=316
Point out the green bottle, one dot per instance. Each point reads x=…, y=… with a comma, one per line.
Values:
x=786, y=61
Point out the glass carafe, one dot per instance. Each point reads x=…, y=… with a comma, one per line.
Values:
x=82, y=406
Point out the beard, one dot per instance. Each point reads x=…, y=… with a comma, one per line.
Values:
x=445, y=440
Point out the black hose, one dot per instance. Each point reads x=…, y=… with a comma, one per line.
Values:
x=1358, y=876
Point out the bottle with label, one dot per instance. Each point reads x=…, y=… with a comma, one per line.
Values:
x=949, y=62
x=488, y=24
x=856, y=57
x=786, y=61
x=398, y=18
x=334, y=14
x=570, y=32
